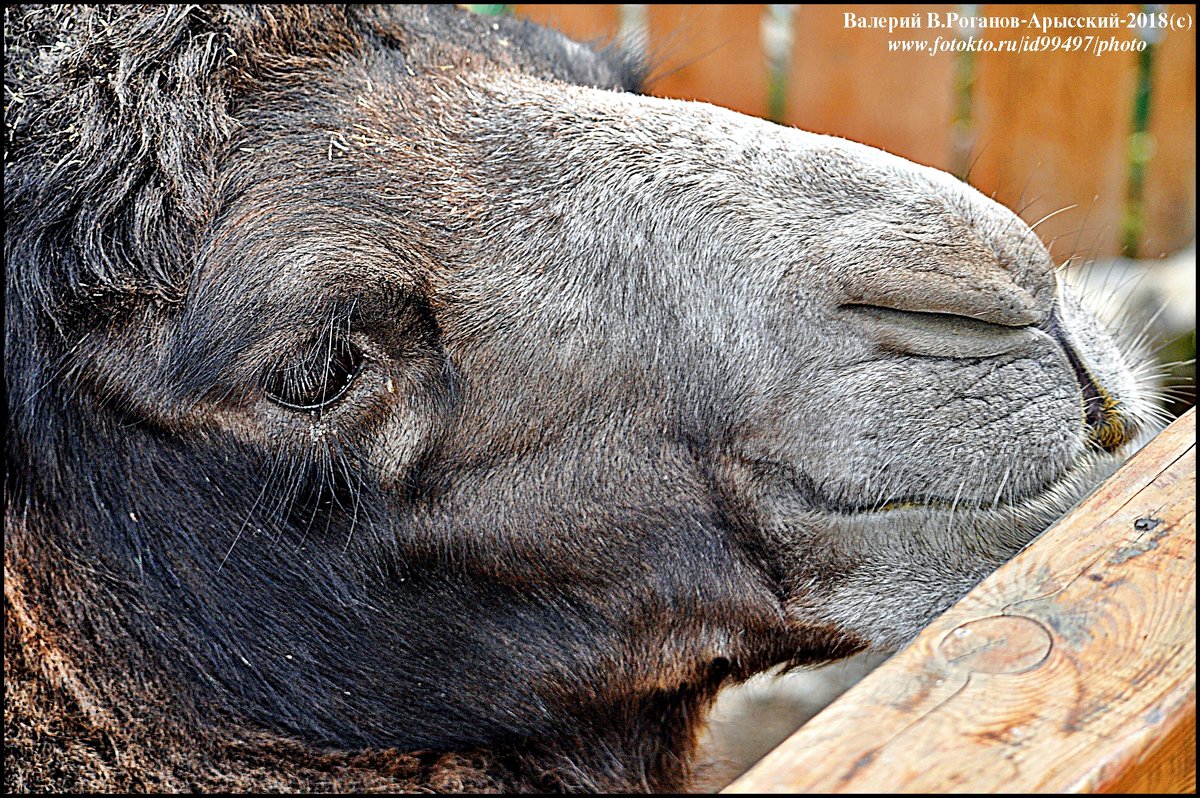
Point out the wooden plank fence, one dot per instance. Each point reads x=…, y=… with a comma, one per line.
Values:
x=1041, y=131
x=1170, y=205
x=1049, y=138
x=845, y=82
x=688, y=39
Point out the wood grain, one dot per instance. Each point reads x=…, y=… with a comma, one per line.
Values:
x=1070, y=669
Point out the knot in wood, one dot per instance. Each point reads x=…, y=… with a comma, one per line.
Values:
x=999, y=644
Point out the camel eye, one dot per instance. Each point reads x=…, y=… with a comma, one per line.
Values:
x=317, y=378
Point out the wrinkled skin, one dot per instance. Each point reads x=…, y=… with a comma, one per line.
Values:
x=640, y=396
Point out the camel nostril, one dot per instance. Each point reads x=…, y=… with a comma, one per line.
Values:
x=1108, y=427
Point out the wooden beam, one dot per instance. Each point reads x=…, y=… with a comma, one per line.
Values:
x=1070, y=669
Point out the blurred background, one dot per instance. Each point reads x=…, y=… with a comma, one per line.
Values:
x=1099, y=151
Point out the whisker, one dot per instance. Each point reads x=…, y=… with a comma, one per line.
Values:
x=1051, y=215
x=249, y=515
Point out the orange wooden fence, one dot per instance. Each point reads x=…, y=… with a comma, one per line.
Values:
x=1041, y=131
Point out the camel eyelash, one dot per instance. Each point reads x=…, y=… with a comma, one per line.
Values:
x=317, y=377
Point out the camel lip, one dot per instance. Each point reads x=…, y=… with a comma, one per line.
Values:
x=1090, y=468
